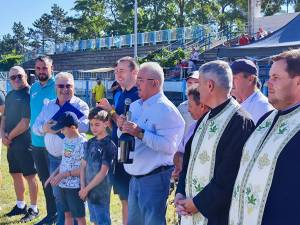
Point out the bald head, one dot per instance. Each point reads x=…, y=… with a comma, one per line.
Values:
x=17, y=77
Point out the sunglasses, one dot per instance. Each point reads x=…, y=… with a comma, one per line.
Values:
x=61, y=86
x=13, y=77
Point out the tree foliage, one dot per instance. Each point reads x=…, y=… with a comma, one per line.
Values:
x=19, y=37
x=89, y=21
x=165, y=57
x=9, y=60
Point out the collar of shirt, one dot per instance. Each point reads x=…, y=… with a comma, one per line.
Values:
x=72, y=100
x=215, y=111
x=289, y=109
x=150, y=101
x=250, y=98
x=134, y=88
x=50, y=82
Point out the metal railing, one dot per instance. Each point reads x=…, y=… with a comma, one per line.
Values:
x=153, y=37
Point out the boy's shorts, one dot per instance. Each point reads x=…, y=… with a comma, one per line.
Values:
x=99, y=213
x=71, y=202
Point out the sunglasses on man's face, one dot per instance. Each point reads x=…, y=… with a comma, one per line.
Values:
x=61, y=86
x=13, y=77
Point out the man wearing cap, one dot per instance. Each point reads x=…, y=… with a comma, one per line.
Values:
x=205, y=185
x=266, y=190
x=64, y=83
x=245, y=82
x=98, y=91
x=192, y=80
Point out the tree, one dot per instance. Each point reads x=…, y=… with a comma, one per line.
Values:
x=19, y=37
x=58, y=24
x=42, y=32
x=297, y=6
x=269, y=7
x=7, y=44
x=90, y=21
x=9, y=60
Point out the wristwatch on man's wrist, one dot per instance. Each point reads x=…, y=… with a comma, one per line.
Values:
x=112, y=112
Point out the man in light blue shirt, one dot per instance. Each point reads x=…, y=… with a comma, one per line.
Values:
x=64, y=83
x=158, y=128
x=245, y=82
x=41, y=93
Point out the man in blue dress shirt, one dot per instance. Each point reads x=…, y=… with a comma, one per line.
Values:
x=158, y=128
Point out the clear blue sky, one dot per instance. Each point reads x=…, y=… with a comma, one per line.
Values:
x=27, y=11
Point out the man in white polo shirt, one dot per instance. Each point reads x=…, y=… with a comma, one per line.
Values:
x=245, y=80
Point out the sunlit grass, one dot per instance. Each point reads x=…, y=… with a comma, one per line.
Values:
x=7, y=200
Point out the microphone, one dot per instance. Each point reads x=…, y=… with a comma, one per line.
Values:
x=126, y=141
x=126, y=108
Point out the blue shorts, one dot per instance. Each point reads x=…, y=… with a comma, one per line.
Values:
x=71, y=202
x=99, y=213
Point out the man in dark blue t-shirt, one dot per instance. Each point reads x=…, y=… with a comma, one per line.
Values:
x=16, y=136
x=126, y=74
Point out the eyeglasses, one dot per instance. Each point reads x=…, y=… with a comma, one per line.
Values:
x=139, y=79
x=61, y=86
x=13, y=77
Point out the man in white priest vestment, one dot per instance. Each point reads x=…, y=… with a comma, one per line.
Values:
x=205, y=186
x=266, y=190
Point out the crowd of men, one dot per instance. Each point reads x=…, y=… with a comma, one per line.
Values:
x=232, y=149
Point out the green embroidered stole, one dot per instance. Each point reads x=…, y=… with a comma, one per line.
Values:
x=202, y=159
x=257, y=167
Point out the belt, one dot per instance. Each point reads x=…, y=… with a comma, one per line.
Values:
x=155, y=171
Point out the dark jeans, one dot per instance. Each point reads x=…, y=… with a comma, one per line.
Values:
x=40, y=158
x=54, y=162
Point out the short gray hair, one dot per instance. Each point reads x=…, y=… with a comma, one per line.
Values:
x=219, y=71
x=155, y=70
x=18, y=68
x=64, y=75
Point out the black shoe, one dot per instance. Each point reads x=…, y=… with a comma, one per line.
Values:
x=48, y=220
x=17, y=211
x=30, y=215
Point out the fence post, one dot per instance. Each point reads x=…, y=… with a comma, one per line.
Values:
x=87, y=97
x=183, y=88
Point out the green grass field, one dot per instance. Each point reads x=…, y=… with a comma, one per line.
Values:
x=7, y=200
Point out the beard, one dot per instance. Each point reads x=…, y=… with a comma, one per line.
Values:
x=43, y=77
